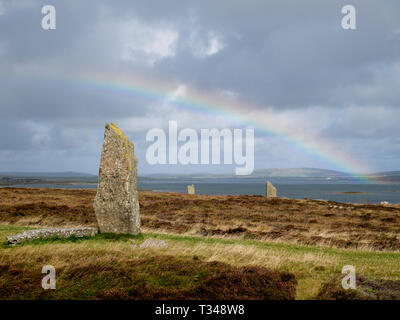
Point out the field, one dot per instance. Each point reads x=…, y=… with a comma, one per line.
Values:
x=238, y=247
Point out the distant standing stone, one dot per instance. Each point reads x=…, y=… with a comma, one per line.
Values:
x=271, y=190
x=190, y=189
x=116, y=204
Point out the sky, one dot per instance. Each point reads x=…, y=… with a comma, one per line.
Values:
x=288, y=65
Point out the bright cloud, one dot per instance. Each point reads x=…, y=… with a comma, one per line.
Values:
x=205, y=46
x=146, y=43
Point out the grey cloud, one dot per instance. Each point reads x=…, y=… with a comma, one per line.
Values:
x=278, y=54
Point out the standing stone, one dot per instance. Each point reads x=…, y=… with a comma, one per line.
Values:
x=190, y=189
x=116, y=204
x=271, y=190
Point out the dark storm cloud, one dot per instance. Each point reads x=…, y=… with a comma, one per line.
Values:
x=284, y=55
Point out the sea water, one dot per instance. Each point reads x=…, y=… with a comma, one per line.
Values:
x=341, y=191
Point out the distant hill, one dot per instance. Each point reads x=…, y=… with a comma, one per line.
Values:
x=43, y=175
x=261, y=173
x=297, y=173
x=21, y=178
x=386, y=174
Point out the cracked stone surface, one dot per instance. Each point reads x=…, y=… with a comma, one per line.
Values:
x=116, y=204
x=48, y=233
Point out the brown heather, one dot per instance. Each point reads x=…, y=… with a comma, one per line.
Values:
x=309, y=222
x=218, y=247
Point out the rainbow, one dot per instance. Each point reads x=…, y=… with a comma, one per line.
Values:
x=209, y=104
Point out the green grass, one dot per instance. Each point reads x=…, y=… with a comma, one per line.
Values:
x=7, y=230
x=102, y=237
x=312, y=265
x=270, y=245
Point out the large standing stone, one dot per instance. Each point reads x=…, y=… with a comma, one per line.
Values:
x=190, y=189
x=271, y=190
x=116, y=204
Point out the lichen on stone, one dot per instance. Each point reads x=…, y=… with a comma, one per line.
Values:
x=120, y=134
x=48, y=233
x=116, y=203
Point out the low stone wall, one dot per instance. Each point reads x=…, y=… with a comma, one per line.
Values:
x=48, y=233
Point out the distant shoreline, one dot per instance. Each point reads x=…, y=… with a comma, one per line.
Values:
x=342, y=193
